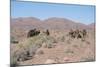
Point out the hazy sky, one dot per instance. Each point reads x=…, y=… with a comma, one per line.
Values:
x=84, y=14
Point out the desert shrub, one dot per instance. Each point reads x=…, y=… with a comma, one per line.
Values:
x=62, y=38
x=76, y=46
x=69, y=51
x=47, y=32
x=37, y=41
x=79, y=34
x=32, y=49
x=26, y=49
x=13, y=62
x=49, y=45
x=33, y=32
x=33, y=42
x=88, y=59
x=69, y=41
x=48, y=40
x=13, y=40
x=55, y=41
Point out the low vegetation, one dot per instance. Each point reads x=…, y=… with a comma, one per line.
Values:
x=29, y=47
x=26, y=49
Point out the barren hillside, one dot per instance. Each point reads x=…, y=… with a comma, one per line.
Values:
x=50, y=23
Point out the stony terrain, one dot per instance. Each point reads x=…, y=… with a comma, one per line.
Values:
x=64, y=41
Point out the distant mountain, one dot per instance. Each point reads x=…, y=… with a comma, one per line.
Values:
x=91, y=26
x=62, y=23
x=25, y=23
x=50, y=23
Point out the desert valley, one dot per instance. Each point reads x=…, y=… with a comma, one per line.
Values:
x=51, y=41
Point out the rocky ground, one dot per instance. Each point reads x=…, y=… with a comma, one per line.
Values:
x=57, y=46
x=63, y=49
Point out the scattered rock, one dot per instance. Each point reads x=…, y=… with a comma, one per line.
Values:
x=39, y=52
x=66, y=59
x=44, y=45
x=87, y=42
x=50, y=61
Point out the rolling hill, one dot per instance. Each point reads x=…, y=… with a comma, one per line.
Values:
x=50, y=23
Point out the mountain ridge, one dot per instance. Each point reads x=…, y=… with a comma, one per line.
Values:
x=50, y=23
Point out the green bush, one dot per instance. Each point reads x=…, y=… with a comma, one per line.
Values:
x=88, y=59
x=13, y=61
x=28, y=47
x=13, y=40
